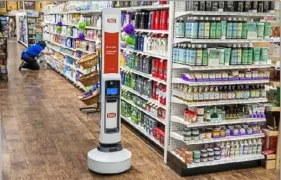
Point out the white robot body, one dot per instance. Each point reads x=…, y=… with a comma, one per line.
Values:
x=110, y=157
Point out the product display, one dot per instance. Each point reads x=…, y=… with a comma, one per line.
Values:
x=221, y=151
x=231, y=6
x=72, y=36
x=236, y=54
x=243, y=76
x=144, y=66
x=219, y=114
x=221, y=59
x=226, y=28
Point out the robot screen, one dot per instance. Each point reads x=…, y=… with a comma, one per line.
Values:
x=111, y=91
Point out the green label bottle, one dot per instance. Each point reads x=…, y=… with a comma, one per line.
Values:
x=239, y=55
x=244, y=29
x=213, y=28
x=205, y=56
x=267, y=30
x=199, y=54
x=229, y=29
x=234, y=28
x=223, y=29
x=219, y=28
x=245, y=53
x=201, y=28
x=239, y=28
x=250, y=56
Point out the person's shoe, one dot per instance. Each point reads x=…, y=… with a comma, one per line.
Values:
x=21, y=66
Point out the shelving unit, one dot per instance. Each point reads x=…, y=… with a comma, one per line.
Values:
x=31, y=29
x=173, y=121
x=57, y=42
x=179, y=124
x=126, y=68
x=23, y=31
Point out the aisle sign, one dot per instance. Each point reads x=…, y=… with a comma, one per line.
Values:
x=110, y=40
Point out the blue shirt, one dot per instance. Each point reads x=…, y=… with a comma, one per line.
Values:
x=33, y=51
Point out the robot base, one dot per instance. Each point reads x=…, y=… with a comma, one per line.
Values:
x=109, y=162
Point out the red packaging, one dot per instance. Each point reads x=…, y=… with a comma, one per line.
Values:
x=160, y=20
x=153, y=15
x=162, y=137
x=165, y=70
x=165, y=19
x=157, y=20
x=160, y=87
x=156, y=67
x=161, y=69
x=156, y=133
x=157, y=91
x=163, y=2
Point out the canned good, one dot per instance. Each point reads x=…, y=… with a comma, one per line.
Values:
x=216, y=133
x=204, y=153
x=196, y=154
x=210, y=152
x=217, y=151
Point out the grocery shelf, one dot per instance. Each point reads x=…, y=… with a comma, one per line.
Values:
x=206, y=83
x=270, y=133
x=221, y=41
x=150, y=7
x=179, y=137
x=144, y=53
x=217, y=13
x=94, y=28
x=210, y=68
x=180, y=119
x=148, y=76
x=142, y=110
x=237, y=159
x=140, y=129
x=150, y=101
x=75, y=12
x=219, y=102
x=152, y=31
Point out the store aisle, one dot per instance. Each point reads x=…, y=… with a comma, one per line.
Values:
x=45, y=136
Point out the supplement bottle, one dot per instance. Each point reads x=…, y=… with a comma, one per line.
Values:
x=207, y=28
x=205, y=55
x=199, y=55
x=229, y=29
x=213, y=28
x=239, y=28
x=239, y=55
x=234, y=28
x=201, y=31
x=180, y=28
x=218, y=28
